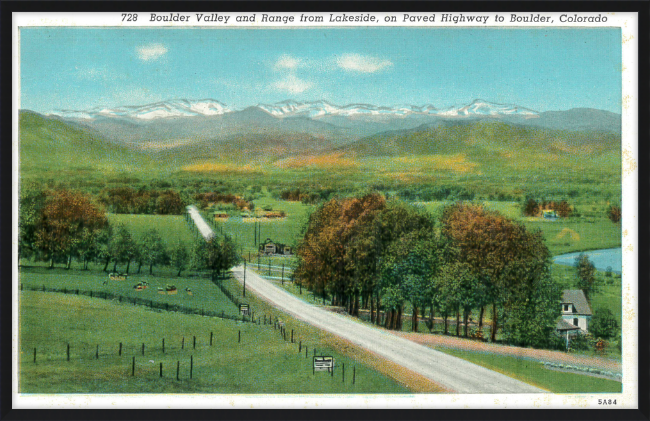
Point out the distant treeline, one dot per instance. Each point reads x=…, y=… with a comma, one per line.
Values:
x=428, y=194
x=205, y=199
x=309, y=197
x=533, y=207
x=142, y=201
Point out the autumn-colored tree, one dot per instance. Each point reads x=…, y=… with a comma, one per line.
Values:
x=65, y=219
x=334, y=257
x=501, y=254
x=614, y=213
x=531, y=207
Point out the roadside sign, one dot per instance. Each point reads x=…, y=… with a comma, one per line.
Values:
x=323, y=363
x=244, y=309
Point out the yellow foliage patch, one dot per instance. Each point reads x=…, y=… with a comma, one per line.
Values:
x=567, y=231
x=219, y=167
x=321, y=161
x=457, y=163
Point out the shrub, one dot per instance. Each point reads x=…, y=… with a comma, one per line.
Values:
x=614, y=213
x=603, y=324
x=579, y=342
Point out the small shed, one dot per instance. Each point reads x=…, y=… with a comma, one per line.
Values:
x=549, y=214
x=270, y=247
x=220, y=215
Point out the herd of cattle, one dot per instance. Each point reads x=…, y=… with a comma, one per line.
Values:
x=141, y=286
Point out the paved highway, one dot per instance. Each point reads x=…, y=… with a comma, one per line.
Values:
x=451, y=372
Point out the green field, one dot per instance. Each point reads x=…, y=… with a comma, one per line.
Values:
x=534, y=373
x=261, y=363
x=282, y=230
x=172, y=228
x=205, y=295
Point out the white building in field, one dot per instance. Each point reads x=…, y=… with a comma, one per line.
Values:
x=576, y=313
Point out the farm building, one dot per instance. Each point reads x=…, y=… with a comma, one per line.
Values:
x=576, y=313
x=270, y=247
x=549, y=214
x=220, y=215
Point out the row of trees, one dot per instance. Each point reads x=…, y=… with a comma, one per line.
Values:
x=142, y=201
x=532, y=207
x=57, y=226
x=371, y=253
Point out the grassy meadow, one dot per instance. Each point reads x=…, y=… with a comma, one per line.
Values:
x=534, y=373
x=172, y=228
x=260, y=362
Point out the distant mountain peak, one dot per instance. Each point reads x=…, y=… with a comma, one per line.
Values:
x=162, y=109
x=176, y=108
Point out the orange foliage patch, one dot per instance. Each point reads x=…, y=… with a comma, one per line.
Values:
x=456, y=163
x=321, y=161
x=219, y=167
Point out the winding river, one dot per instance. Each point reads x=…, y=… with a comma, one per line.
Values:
x=600, y=258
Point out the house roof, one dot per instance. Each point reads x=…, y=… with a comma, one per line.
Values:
x=564, y=325
x=578, y=299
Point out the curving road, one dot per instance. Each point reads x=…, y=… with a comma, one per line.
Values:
x=453, y=373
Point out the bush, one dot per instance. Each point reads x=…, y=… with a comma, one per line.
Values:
x=579, y=342
x=603, y=324
x=614, y=213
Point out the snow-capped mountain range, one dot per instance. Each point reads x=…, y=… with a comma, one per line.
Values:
x=209, y=107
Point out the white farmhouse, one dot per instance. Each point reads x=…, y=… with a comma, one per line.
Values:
x=576, y=312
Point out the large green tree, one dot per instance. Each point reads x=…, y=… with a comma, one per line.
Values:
x=152, y=249
x=500, y=253
x=586, y=274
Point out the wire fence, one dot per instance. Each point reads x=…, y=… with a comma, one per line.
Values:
x=143, y=302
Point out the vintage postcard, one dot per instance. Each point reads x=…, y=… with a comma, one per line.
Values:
x=325, y=210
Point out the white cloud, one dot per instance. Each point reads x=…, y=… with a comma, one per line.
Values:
x=292, y=84
x=151, y=51
x=287, y=62
x=362, y=64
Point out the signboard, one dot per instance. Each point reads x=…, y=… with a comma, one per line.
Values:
x=323, y=363
x=244, y=309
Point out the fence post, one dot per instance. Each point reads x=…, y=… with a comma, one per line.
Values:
x=343, y=372
x=194, y=344
x=299, y=347
x=291, y=335
x=143, y=349
x=306, y=351
x=120, y=351
x=160, y=369
x=133, y=367
x=178, y=368
x=163, y=346
x=191, y=365
x=68, y=352
x=354, y=374
x=183, y=343
x=239, y=337
x=34, y=354
x=97, y=353
x=210, y=338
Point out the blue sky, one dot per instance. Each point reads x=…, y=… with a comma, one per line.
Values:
x=541, y=69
